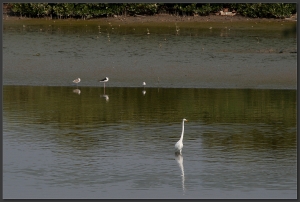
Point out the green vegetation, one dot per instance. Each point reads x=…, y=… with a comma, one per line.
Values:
x=96, y=10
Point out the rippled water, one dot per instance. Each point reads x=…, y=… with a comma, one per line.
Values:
x=60, y=144
x=235, y=83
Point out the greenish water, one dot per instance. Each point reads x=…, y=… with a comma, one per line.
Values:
x=237, y=143
x=274, y=107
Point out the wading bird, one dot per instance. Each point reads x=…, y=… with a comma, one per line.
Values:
x=77, y=81
x=104, y=81
x=179, y=144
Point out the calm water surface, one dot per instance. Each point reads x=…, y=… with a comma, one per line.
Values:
x=236, y=84
x=237, y=143
x=227, y=56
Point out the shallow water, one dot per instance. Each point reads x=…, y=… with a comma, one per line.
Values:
x=233, y=85
x=227, y=56
x=60, y=144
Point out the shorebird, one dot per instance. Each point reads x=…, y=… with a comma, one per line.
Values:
x=104, y=81
x=77, y=81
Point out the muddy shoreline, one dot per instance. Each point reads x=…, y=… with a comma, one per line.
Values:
x=168, y=18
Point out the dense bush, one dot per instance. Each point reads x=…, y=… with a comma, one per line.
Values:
x=94, y=10
x=267, y=10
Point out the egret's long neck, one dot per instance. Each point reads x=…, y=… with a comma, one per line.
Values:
x=182, y=131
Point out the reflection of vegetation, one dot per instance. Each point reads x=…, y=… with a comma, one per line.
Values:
x=251, y=106
x=290, y=31
x=89, y=10
x=61, y=106
x=77, y=117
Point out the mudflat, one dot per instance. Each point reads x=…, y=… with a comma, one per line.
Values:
x=225, y=52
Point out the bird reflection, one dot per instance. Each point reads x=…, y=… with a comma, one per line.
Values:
x=179, y=159
x=144, y=84
x=77, y=91
x=106, y=97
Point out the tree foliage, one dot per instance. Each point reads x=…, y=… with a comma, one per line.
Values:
x=268, y=10
x=95, y=10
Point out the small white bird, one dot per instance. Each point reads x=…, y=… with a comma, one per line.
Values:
x=144, y=84
x=179, y=144
x=77, y=81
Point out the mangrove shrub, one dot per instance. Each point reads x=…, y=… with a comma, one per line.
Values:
x=95, y=10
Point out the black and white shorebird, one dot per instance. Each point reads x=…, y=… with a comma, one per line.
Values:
x=104, y=81
x=77, y=81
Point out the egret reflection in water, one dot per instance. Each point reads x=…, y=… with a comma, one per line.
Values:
x=179, y=159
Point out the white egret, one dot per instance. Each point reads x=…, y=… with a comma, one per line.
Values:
x=179, y=144
x=77, y=81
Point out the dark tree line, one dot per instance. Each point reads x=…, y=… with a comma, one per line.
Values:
x=96, y=10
